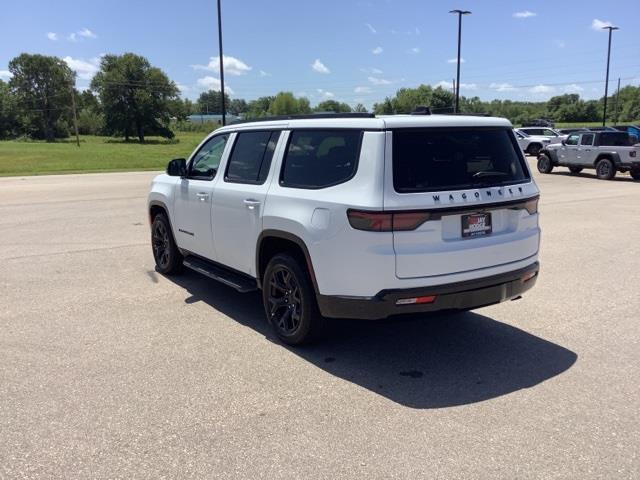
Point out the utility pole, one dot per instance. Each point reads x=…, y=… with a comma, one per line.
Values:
x=611, y=28
x=460, y=13
x=615, y=121
x=224, y=112
x=75, y=115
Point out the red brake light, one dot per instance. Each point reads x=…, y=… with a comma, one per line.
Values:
x=386, y=221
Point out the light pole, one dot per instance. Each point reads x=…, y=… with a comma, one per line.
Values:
x=611, y=28
x=224, y=112
x=460, y=13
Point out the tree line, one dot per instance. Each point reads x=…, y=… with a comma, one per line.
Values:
x=131, y=98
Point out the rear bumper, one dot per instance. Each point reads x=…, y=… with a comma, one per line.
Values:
x=453, y=296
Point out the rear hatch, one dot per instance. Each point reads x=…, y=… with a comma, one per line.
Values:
x=469, y=197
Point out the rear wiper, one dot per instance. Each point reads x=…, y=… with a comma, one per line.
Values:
x=489, y=173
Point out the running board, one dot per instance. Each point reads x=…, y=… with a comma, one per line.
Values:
x=242, y=283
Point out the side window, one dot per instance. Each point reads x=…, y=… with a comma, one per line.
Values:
x=587, y=139
x=320, y=158
x=549, y=133
x=251, y=157
x=205, y=163
x=573, y=139
x=534, y=131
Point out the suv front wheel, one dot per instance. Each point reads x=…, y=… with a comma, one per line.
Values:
x=165, y=251
x=290, y=302
x=544, y=164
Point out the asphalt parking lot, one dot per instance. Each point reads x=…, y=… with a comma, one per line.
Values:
x=109, y=370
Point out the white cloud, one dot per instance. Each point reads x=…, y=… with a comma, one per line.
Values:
x=379, y=81
x=525, y=14
x=415, y=50
x=81, y=34
x=502, y=87
x=213, y=83
x=573, y=88
x=370, y=27
x=449, y=85
x=320, y=67
x=184, y=89
x=232, y=66
x=85, y=69
x=374, y=71
x=325, y=94
x=468, y=86
x=455, y=60
x=52, y=36
x=600, y=24
x=541, y=89
x=377, y=51
x=5, y=74
x=444, y=84
x=560, y=43
x=86, y=33
x=264, y=74
x=362, y=90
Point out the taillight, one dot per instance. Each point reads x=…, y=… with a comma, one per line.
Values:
x=531, y=206
x=386, y=221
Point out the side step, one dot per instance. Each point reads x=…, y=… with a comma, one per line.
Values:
x=242, y=283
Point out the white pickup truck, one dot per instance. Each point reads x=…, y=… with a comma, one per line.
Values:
x=607, y=152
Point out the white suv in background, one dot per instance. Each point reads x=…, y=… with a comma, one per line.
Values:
x=353, y=216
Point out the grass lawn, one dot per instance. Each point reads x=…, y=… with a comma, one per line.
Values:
x=95, y=154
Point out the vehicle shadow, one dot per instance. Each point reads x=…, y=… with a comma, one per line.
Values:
x=592, y=176
x=420, y=362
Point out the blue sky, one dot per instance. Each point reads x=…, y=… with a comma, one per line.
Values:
x=349, y=50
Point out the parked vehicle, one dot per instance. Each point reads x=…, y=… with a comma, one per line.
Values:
x=601, y=129
x=553, y=135
x=531, y=144
x=633, y=130
x=353, y=216
x=539, y=122
x=607, y=152
x=567, y=131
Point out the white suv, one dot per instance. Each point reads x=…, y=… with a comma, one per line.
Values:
x=353, y=216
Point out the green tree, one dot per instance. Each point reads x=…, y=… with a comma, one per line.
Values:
x=9, y=125
x=210, y=102
x=135, y=96
x=360, y=108
x=333, y=106
x=285, y=103
x=629, y=104
x=259, y=107
x=238, y=106
x=42, y=87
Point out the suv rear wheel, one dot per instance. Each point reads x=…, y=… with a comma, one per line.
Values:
x=605, y=170
x=165, y=251
x=290, y=302
x=544, y=164
x=635, y=174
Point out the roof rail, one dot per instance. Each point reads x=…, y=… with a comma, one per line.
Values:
x=307, y=116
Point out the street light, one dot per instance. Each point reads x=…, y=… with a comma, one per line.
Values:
x=460, y=13
x=611, y=28
x=224, y=113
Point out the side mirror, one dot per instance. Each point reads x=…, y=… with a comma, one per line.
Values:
x=177, y=167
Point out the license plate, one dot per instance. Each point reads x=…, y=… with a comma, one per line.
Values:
x=476, y=225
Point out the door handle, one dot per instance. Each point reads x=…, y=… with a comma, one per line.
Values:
x=251, y=203
x=202, y=196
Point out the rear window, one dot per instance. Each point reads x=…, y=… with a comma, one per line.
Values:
x=615, y=139
x=455, y=158
x=320, y=158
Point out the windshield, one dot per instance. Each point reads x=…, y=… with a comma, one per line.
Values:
x=455, y=158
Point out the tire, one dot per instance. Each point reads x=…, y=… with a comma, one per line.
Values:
x=534, y=149
x=165, y=251
x=290, y=301
x=544, y=164
x=575, y=170
x=605, y=169
x=635, y=174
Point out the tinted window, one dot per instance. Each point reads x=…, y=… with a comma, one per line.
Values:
x=573, y=139
x=534, y=131
x=251, y=157
x=587, y=139
x=615, y=139
x=320, y=158
x=455, y=158
x=549, y=133
x=206, y=162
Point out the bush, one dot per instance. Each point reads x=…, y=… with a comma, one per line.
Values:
x=90, y=123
